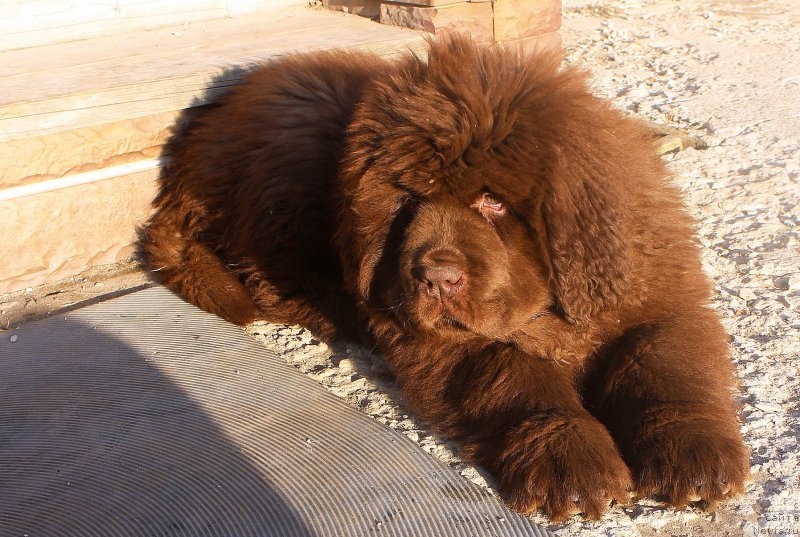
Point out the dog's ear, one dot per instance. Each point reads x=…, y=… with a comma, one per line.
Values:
x=586, y=236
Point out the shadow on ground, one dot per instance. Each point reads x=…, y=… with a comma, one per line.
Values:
x=96, y=440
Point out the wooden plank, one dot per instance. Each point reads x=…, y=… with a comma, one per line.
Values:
x=30, y=75
x=86, y=83
x=83, y=110
x=33, y=23
x=81, y=150
x=62, y=69
x=394, y=47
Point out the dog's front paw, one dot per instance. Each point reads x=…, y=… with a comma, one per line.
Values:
x=563, y=466
x=691, y=460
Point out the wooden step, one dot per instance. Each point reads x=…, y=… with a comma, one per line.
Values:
x=82, y=124
x=33, y=23
x=95, y=81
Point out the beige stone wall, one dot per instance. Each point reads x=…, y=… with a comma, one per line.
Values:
x=52, y=235
x=39, y=158
x=51, y=231
x=519, y=19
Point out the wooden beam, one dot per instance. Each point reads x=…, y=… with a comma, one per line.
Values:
x=34, y=23
x=40, y=158
x=92, y=82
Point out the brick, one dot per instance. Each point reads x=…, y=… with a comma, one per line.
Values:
x=474, y=18
x=517, y=19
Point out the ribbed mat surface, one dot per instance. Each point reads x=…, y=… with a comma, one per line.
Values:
x=143, y=415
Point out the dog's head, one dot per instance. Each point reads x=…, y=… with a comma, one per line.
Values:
x=478, y=194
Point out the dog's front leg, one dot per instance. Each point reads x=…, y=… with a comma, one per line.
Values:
x=521, y=418
x=665, y=395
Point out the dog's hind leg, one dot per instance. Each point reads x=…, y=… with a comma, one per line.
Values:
x=192, y=270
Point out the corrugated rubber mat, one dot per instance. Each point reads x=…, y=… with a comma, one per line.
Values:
x=143, y=415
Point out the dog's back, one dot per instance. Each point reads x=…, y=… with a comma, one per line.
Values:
x=245, y=212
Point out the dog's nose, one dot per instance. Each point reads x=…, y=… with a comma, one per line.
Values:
x=440, y=280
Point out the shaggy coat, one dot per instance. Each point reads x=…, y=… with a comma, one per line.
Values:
x=508, y=241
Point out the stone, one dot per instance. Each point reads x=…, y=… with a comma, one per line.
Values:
x=473, y=18
x=57, y=234
x=747, y=294
x=793, y=283
x=440, y=2
x=346, y=366
x=365, y=8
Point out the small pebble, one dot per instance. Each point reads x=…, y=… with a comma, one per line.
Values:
x=747, y=294
x=768, y=407
x=13, y=339
x=793, y=284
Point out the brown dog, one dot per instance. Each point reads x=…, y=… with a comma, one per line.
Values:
x=507, y=240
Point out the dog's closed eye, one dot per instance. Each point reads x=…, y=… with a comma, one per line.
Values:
x=489, y=206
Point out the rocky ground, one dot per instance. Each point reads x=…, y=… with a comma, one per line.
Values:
x=729, y=72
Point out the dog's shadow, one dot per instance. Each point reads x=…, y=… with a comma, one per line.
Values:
x=220, y=85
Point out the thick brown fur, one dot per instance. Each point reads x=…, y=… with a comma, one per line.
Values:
x=507, y=240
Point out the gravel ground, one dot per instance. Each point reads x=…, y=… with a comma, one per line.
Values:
x=729, y=72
